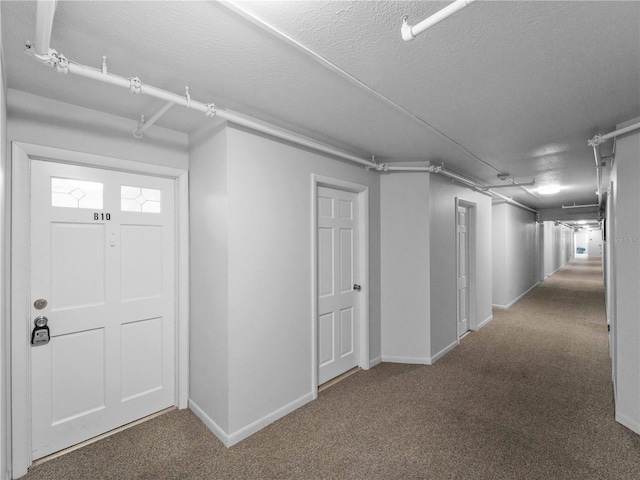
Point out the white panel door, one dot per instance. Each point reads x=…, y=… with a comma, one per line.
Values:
x=337, y=298
x=463, y=269
x=102, y=256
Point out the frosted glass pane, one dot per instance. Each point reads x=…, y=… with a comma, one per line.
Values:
x=138, y=199
x=151, y=194
x=70, y=193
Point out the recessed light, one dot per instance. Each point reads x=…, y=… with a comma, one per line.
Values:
x=548, y=190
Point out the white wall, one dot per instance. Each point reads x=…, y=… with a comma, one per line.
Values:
x=515, y=253
x=5, y=358
x=443, y=194
x=42, y=121
x=268, y=193
x=499, y=270
x=624, y=257
x=209, y=212
x=419, y=322
x=557, y=246
x=406, y=300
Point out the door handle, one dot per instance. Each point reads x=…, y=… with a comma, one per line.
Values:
x=357, y=287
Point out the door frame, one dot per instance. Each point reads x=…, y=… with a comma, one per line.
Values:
x=472, y=212
x=19, y=396
x=362, y=191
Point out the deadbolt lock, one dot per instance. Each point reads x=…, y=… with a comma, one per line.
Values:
x=40, y=303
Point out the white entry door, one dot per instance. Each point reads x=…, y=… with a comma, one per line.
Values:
x=463, y=269
x=337, y=290
x=102, y=273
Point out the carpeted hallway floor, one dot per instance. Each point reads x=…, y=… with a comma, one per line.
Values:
x=527, y=397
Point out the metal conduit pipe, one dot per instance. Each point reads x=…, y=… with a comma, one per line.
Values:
x=596, y=156
x=622, y=131
x=42, y=52
x=393, y=168
x=134, y=85
x=410, y=32
x=511, y=185
x=599, y=185
x=44, y=23
x=590, y=205
x=595, y=142
x=459, y=178
x=514, y=202
x=144, y=126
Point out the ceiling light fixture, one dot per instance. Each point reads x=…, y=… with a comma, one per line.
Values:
x=548, y=190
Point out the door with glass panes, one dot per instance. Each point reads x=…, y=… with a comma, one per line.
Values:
x=102, y=277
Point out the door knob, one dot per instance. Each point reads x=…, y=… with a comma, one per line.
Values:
x=357, y=287
x=40, y=334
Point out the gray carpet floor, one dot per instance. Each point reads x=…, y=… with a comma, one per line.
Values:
x=527, y=397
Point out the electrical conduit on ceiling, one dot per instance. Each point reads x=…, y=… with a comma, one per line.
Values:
x=459, y=178
x=410, y=32
x=41, y=51
x=595, y=143
x=259, y=22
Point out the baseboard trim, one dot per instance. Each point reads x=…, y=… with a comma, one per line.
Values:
x=231, y=439
x=208, y=421
x=484, y=322
x=631, y=424
x=443, y=352
x=259, y=424
x=517, y=299
x=412, y=360
x=547, y=276
x=375, y=361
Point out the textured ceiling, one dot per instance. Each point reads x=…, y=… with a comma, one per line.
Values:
x=515, y=86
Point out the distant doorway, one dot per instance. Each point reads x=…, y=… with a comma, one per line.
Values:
x=465, y=266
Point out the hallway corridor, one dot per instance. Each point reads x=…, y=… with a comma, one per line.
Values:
x=527, y=397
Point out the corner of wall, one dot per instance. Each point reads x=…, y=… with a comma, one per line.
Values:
x=443, y=293
x=209, y=360
x=405, y=266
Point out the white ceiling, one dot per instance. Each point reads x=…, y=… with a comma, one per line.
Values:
x=513, y=86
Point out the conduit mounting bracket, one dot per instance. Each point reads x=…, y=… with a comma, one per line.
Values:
x=135, y=85
x=405, y=29
x=211, y=110
x=380, y=167
x=52, y=58
x=187, y=96
x=596, y=141
x=138, y=133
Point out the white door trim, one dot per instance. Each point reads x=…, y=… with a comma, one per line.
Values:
x=363, y=270
x=472, y=226
x=18, y=341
